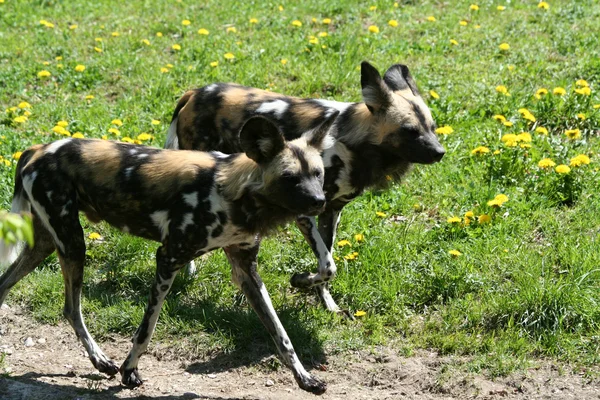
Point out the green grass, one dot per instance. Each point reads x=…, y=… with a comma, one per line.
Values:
x=526, y=284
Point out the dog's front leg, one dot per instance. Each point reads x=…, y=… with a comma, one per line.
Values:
x=245, y=276
x=320, y=240
x=166, y=270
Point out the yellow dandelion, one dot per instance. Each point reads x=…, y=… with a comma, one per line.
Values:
x=543, y=5
x=579, y=160
x=500, y=8
x=484, y=219
x=453, y=42
x=284, y=61
x=343, y=243
x=546, y=163
x=322, y=34
x=214, y=64
x=499, y=117
x=380, y=214
x=127, y=139
x=463, y=23
x=21, y=119
x=27, y=113
x=43, y=74
x=313, y=40
x=186, y=22
x=144, y=136
x=469, y=214
x=360, y=313
x=541, y=130
x=586, y=91
x=480, y=150
x=203, y=31
x=434, y=94
x=78, y=135
x=253, y=21
x=596, y=106
x=582, y=83
x=359, y=237
x=453, y=220
x=229, y=56
x=159, y=34
x=502, y=90
x=231, y=29
x=17, y=155
x=97, y=49
x=169, y=65
x=296, y=23
x=62, y=123
x=280, y=8
x=393, y=23
x=94, y=236
x=24, y=104
x=115, y=34
x=474, y=7
x=455, y=253
x=444, y=130
x=146, y=42
x=562, y=169
x=581, y=116
x=507, y=123
x=573, y=133
x=326, y=21
x=72, y=27
x=155, y=122
x=431, y=18
x=117, y=122
x=114, y=131
x=541, y=92
x=559, y=91
x=373, y=29
x=176, y=47
x=164, y=70
x=104, y=137
x=504, y=46
x=80, y=68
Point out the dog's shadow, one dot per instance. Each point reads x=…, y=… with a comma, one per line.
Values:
x=29, y=386
x=248, y=342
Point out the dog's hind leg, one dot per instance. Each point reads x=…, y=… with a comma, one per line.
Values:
x=72, y=259
x=29, y=258
x=245, y=276
x=166, y=271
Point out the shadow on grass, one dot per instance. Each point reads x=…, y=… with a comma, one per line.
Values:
x=28, y=386
x=248, y=342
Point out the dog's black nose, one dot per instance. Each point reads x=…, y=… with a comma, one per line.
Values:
x=318, y=202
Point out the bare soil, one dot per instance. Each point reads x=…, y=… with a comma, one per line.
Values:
x=53, y=365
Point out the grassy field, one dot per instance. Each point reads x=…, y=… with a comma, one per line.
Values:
x=435, y=263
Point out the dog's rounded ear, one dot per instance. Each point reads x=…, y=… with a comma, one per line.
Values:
x=318, y=137
x=375, y=92
x=261, y=140
x=398, y=77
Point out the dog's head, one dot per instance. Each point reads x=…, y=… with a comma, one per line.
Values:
x=293, y=171
x=402, y=121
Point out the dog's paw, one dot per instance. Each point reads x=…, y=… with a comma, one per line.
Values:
x=131, y=378
x=105, y=365
x=312, y=385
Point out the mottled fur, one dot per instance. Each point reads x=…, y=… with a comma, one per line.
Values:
x=375, y=142
x=191, y=202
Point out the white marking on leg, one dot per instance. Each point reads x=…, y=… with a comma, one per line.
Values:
x=277, y=107
x=188, y=219
x=162, y=221
x=191, y=199
x=54, y=146
x=128, y=172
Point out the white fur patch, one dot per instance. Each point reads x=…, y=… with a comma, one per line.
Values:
x=162, y=221
x=128, y=172
x=277, y=107
x=132, y=151
x=191, y=199
x=336, y=105
x=54, y=146
x=188, y=219
x=210, y=88
x=172, y=141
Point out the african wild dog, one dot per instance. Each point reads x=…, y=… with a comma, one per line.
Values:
x=375, y=142
x=189, y=201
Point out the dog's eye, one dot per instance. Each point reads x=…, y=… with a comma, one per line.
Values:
x=317, y=173
x=410, y=132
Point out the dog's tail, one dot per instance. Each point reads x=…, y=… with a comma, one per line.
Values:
x=172, y=141
x=20, y=204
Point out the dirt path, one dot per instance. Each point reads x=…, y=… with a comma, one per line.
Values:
x=52, y=365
